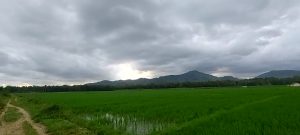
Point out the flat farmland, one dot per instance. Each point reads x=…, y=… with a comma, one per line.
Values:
x=262, y=110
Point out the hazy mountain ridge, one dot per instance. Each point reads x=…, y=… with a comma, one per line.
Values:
x=280, y=74
x=191, y=76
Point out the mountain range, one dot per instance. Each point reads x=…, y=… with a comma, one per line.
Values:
x=280, y=74
x=192, y=76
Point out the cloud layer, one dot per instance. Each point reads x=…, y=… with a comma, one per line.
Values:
x=75, y=41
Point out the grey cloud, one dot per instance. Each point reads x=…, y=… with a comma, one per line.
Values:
x=73, y=41
x=4, y=59
x=104, y=17
x=236, y=11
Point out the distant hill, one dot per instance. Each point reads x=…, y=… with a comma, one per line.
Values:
x=191, y=76
x=280, y=74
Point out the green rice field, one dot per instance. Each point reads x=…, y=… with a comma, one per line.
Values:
x=263, y=110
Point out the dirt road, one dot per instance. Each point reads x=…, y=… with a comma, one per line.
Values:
x=15, y=128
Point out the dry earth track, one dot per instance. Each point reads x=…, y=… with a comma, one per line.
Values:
x=15, y=128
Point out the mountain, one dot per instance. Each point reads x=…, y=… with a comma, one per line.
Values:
x=191, y=76
x=280, y=74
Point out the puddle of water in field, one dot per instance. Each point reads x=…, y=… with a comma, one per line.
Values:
x=131, y=125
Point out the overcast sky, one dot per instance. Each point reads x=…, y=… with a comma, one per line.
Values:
x=79, y=41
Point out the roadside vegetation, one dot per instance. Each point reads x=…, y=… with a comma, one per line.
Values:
x=4, y=97
x=28, y=129
x=12, y=115
x=232, y=110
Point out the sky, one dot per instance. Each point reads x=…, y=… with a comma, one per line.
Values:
x=57, y=42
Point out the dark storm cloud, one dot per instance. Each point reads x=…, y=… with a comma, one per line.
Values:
x=73, y=41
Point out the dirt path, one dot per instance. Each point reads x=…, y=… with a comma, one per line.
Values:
x=15, y=128
x=1, y=115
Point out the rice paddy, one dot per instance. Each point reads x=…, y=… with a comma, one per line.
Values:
x=259, y=110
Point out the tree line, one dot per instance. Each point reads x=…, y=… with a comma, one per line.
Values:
x=225, y=83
